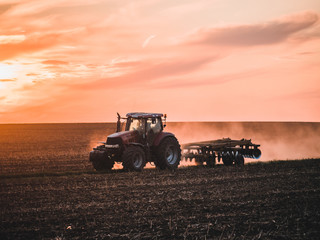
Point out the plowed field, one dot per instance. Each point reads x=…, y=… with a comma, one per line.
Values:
x=276, y=200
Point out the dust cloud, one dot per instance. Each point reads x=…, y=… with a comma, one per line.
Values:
x=278, y=140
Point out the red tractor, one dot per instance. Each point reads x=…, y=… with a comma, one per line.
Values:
x=142, y=141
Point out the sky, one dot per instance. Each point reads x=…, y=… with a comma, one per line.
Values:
x=200, y=60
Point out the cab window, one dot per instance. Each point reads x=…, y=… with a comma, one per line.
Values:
x=135, y=124
x=153, y=124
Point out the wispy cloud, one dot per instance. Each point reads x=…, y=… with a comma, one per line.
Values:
x=5, y=6
x=255, y=34
x=148, y=72
x=146, y=42
x=29, y=45
x=35, y=6
x=8, y=80
x=55, y=62
x=32, y=74
x=7, y=39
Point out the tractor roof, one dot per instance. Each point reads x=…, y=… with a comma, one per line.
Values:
x=144, y=115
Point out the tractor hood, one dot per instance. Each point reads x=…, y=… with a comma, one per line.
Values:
x=124, y=137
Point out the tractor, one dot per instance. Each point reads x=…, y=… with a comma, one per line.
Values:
x=143, y=140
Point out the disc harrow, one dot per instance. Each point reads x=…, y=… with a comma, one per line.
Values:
x=225, y=149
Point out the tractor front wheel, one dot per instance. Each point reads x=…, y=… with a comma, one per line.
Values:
x=133, y=159
x=168, y=154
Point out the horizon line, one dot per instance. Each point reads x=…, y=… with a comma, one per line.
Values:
x=7, y=123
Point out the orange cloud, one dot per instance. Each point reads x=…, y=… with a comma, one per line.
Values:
x=8, y=80
x=32, y=44
x=5, y=39
x=146, y=72
x=255, y=34
x=54, y=62
x=32, y=74
x=5, y=7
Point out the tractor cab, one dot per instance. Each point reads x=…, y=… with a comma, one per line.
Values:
x=146, y=125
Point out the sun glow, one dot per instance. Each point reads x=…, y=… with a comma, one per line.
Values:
x=8, y=71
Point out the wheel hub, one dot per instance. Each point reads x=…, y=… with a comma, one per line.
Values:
x=137, y=160
x=171, y=155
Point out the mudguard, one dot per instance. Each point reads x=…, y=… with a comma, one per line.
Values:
x=160, y=137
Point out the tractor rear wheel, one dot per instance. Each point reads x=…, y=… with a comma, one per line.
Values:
x=168, y=154
x=133, y=159
x=101, y=161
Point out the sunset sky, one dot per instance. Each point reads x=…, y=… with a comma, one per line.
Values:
x=211, y=60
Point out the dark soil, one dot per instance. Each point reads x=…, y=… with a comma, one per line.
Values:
x=277, y=200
